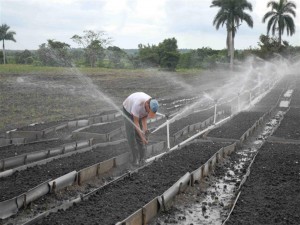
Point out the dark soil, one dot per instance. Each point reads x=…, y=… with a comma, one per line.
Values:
x=271, y=194
x=289, y=127
x=105, y=128
x=173, y=104
x=24, y=180
x=41, y=126
x=295, y=102
x=118, y=200
x=237, y=126
x=61, y=133
x=268, y=101
x=14, y=150
x=181, y=123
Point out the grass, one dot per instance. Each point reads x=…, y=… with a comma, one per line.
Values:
x=30, y=69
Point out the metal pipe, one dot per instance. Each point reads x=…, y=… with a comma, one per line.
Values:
x=198, y=134
x=215, y=115
x=187, y=140
x=168, y=135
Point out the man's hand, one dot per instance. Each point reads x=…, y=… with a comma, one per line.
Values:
x=145, y=141
x=147, y=133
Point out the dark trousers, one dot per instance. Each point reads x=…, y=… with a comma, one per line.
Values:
x=134, y=141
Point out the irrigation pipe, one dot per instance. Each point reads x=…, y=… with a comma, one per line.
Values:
x=254, y=101
x=187, y=140
x=235, y=201
x=199, y=133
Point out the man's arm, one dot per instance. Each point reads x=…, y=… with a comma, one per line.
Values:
x=144, y=124
x=140, y=132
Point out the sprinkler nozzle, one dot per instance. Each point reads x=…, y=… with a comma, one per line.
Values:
x=167, y=115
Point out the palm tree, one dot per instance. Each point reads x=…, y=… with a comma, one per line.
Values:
x=232, y=14
x=280, y=17
x=5, y=34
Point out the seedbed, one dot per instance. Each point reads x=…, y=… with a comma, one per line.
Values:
x=41, y=126
x=14, y=150
x=104, y=128
x=181, y=123
x=268, y=101
x=295, y=102
x=270, y=194
x=22, y=181
x=118, y=200
x=237, y=126
x=290, y=125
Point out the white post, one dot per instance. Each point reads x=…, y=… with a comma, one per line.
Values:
x=215, y=115
x=168, y=134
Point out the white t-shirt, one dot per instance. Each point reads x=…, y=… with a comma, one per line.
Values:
x=135, y=104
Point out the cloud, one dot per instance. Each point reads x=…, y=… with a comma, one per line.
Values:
x=128, y=22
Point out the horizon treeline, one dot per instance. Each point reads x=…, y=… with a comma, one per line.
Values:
x=165, y=55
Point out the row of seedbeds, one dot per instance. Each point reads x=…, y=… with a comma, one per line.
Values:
x=120, y=199
x=28, y=168
x=271, y=192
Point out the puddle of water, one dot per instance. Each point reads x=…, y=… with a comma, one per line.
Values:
x=288, y=93
x=284, y=104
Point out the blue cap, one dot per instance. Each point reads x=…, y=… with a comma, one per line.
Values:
x=154, y=105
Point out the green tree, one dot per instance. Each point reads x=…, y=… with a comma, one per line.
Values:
x=185, y=60
x=6, y=34
x=54, y=53
x=269, y=46
x=94, y=44
x=204, y=57
x=25, y=57
x=280, y=17
x=232, y=14
x=168, y=54
x=148, y=55
x=115, y=56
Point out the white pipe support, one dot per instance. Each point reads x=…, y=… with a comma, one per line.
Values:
x=215, y=114
x=168, y=134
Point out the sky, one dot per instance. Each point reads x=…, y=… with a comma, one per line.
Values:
x=130, y=22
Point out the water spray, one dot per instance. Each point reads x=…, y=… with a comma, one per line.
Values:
x=100, y=95
x=167, y=123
